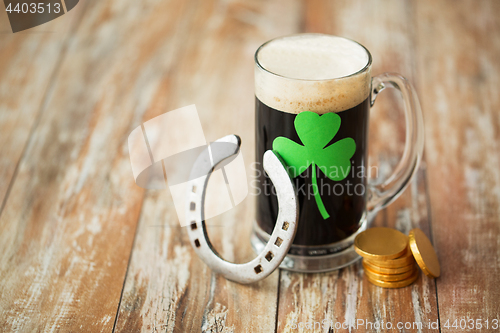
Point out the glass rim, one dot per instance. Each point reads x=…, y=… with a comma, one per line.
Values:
x=361, y=71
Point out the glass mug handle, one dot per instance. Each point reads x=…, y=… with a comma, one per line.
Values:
x=381, y=194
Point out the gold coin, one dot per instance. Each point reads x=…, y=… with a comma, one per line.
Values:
x=385, y=270
x=388, y=277
x=381, y=243
x=395, y=284
x=424, y=253
x=405, y=260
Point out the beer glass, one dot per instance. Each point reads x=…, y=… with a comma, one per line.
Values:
x=313, y=94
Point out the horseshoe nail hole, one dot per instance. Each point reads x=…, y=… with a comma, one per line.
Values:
x=285, y=226
x=192, y=206
x=257, y=269
x=197, y=243
x=193, y=226
x=194, y=189
x=278, y=242
x=269, y=256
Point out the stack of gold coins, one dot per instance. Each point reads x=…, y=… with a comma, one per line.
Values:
x=389, y=256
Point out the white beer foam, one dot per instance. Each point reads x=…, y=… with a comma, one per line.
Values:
x=312, y=72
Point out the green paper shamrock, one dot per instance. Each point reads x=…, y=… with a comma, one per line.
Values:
x=315, y=132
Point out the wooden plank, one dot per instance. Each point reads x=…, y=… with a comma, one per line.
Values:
x=345, y=296
x=28, y=61
x=459, y=71
x=167, y=287
x=67, y=229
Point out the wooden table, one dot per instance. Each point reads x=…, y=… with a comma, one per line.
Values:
x=83, y=248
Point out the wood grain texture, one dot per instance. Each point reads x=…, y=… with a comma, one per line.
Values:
x=69, y=222
x=83, y=248
x=345, y=296
x=28, y=61
x=168, y=288
x=459, y=80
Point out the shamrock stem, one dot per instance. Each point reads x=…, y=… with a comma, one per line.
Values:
x=317, y=196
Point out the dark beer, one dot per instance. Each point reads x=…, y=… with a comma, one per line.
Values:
x=344, y=200
x=317, y=74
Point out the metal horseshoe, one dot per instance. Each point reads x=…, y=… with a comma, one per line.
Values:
x=286, y=224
